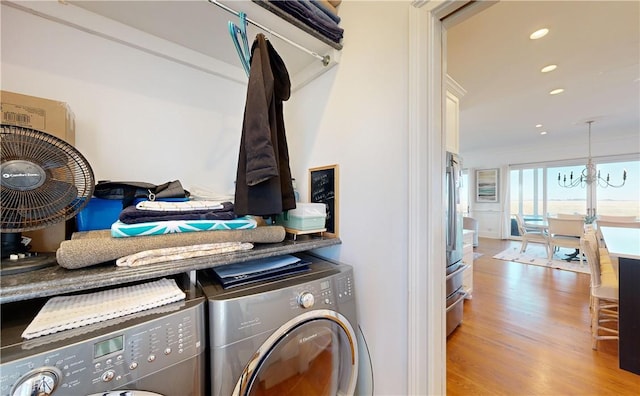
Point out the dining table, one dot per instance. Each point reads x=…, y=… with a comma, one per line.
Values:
x=623, y=244
x=543, y=226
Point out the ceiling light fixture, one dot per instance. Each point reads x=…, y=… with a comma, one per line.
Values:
x=589, y=174
x=538, y=125
x=543, y=132
x=539, y=34
x=556, y=91
x=548, y=68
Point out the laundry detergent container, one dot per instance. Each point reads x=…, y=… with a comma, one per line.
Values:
x=305, y=217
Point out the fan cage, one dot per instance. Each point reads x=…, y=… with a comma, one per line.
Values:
x=67, y=189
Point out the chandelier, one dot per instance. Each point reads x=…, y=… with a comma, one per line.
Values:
x=589, y=174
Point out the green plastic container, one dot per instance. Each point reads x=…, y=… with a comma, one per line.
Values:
x=305, y=217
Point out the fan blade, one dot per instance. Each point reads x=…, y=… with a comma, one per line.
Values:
x=44, y=205
x=53, y=197
x=30, y=148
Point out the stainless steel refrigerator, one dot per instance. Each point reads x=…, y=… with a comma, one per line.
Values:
x=454, y=264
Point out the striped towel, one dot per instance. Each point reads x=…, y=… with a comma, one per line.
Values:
x=167, y=206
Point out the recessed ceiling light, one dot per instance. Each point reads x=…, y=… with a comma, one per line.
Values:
x=543, y=132
x=548, y=68
x=539, y=34
x=556, y=91
x=538, y=125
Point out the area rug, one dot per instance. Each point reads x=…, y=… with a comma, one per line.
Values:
x=536, y=255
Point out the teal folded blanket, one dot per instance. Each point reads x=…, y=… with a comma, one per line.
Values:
x=122, y=230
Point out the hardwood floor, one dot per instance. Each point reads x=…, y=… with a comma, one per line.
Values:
x=526, y=332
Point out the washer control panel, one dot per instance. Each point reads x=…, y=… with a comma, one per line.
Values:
x=324, y=293
x=108, y=361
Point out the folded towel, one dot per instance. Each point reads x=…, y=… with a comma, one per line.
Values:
x=165, y=206
x=180, y=253
x=69, y=312
x=122, y=230
x=133, y=215
x=327, y=8
x=312, y=16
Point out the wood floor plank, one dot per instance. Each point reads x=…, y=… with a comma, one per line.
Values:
x=526, y=332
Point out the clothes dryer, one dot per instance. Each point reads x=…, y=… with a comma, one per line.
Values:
x=292, y=336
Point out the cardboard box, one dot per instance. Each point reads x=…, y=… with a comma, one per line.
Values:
x=54, y=118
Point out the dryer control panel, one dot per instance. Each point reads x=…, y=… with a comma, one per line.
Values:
x=107, y=361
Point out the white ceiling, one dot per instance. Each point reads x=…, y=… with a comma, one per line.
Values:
x=596, y=45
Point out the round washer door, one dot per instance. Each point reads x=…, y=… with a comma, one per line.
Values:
x=313, y=354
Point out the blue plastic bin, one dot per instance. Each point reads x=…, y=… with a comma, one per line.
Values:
x=99, y=214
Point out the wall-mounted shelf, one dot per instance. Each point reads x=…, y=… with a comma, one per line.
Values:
x=193, y=33
x=56, y=280
x=275, y=10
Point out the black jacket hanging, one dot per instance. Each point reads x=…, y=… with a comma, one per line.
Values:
x=263, y=180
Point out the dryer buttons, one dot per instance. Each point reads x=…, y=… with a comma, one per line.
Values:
x=306, y=300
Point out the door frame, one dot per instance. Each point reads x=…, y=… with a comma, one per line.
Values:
x=426, y=319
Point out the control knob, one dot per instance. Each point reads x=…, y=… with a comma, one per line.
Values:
x=306, y=300
x=39, y=382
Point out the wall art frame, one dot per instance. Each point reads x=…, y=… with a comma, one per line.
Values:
x=487, y=185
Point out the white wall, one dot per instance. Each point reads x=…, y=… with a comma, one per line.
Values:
x=138, y=116
x=355, y=116
x=146, y=118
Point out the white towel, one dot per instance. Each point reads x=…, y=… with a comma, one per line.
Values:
x=69, y=312
x=180, y=253
x=179, y=206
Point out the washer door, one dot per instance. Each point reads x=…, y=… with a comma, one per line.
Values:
x=313, y=354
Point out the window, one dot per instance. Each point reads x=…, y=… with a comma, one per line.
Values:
x=536, y=190
x=623, y=201
x=526, y=191
x=526, y=195
x=562, y=199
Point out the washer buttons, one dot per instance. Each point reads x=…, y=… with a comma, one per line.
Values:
x=108, y=375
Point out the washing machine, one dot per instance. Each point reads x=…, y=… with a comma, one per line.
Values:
x=292, y=336
x=160, y=351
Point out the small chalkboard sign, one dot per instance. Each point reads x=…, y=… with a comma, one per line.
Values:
x=323, y=188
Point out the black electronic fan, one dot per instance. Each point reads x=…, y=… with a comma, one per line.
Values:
x=44, y=181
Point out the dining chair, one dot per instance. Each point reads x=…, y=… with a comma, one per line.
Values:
x=531, y=235
x=603, y=292
x=469, y=223
x=569, y=216
x=565, y=233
